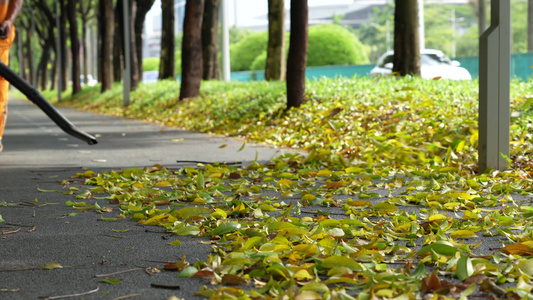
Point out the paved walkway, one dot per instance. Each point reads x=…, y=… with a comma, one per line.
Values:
x=38, y=155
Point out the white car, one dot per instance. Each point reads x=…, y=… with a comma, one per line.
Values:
x=434, y=64
x=90, y=80
x=150, y=76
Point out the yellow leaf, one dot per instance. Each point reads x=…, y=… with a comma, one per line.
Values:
x=52, y=265
x=517, y=248
x=324, y=173
x=360, y=203
x=161, y=219
x=460, y=146
x=463, y=234
x=219, y=214
x=308, y=197
x=302, y=275
x=163, y=183
x=198, y=201
x=452, y=205
x=437, y=217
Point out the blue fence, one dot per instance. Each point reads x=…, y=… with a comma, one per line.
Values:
x=521, y=67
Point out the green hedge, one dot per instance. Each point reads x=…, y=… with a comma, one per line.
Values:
x=328, y=45
x=331, y=44
x=151, y=64
x=244, y=52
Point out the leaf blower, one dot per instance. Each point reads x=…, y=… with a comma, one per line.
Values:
x=36, y=97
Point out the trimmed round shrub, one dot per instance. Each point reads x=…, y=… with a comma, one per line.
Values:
x=332, y=44
x=244, y=53
x=151, y=64
x=259, y=62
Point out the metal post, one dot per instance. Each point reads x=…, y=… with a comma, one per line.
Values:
x=127, y=53
x=58, y=53
x=494, y=89
x=226, y=73
x=421, y=25
x=453, y=32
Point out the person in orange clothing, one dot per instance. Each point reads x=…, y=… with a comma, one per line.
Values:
x=9, y=10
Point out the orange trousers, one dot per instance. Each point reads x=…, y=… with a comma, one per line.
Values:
x=5, y=45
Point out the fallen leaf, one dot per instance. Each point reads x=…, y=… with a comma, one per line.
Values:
x=51, y=266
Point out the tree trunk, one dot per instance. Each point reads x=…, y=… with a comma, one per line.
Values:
x=133, y=57
x=118, y=42
x=167, y=69
x=275, y=68
x=43, y=65
x=107, y=34
x=406, y=41
x=191, y=54
x=74, y=46
x=297, y=54
x=85, y=13
x=64, y=48
x=530, y=25
x=143, y=6
x=84, y=50
x=29, y=55
x=210, y=40
x=482, y=16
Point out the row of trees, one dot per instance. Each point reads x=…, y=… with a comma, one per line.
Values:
x=43, y=20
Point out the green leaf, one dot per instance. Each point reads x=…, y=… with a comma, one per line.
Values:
x=1, y=219
x=226, y=228
x=200, y=181
x=242, y=147
x=438, y=248
x=46, y=191
x=108, y=219
x=526, y=266
x=190, y=211
x=464, y=268
x=186, y=230
x=315, y=287
x=342, y=261
x=111, y=280
x=176, y=243
x=385, y=207
x=188, y=272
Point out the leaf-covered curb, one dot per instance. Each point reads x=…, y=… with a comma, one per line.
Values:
x=387, y=204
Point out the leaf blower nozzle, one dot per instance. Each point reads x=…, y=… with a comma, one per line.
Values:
x=36, y=97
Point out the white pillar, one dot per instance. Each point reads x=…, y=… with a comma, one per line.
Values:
x=127, y=53
x=494, y=89
x=421, y=25
x=226, y=70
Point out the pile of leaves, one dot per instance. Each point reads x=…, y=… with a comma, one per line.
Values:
x=387, y=204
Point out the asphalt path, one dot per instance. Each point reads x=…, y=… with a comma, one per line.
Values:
x=37, y=229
